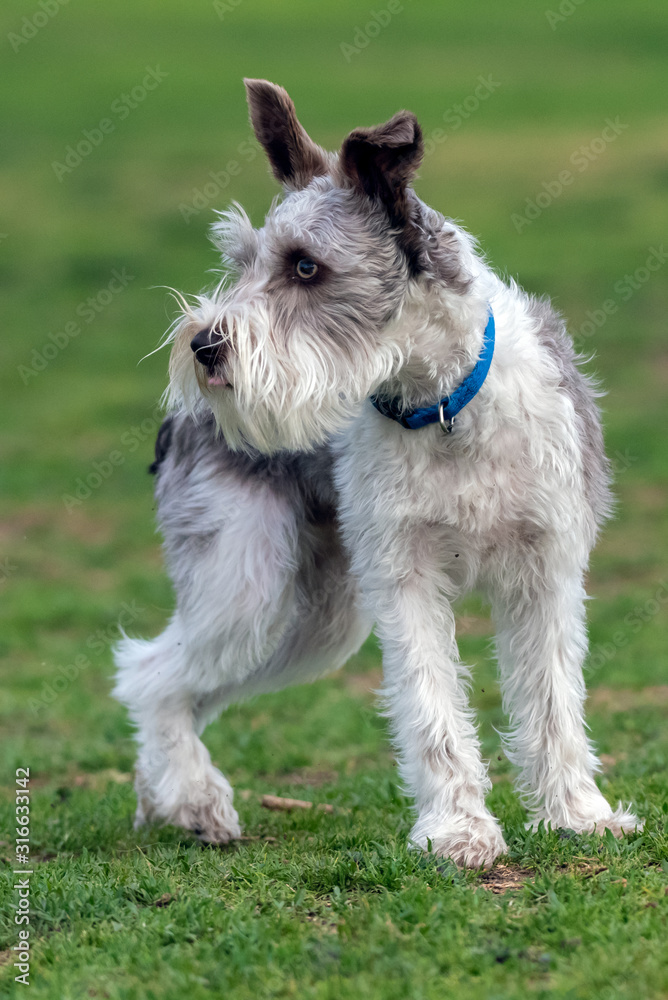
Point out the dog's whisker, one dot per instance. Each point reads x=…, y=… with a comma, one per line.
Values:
x=160, y=347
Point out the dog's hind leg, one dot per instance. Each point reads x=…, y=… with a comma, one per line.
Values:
x=264, y=599
x=170, y=684
x=231, y=540
x=538, y=602
x=176, y=781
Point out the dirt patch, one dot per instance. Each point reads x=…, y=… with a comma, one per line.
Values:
x=6, y=956
x=77, y=524
x=608, y=760
x=363, y=684
x=164, y=900
x=647, y=496
x=326, y=925
x=98, y=780
x=660, y=368
x=622, y=699
x=504, y=878
x=18, y=525
x=44, y=856
x=474, y=625
x=497, y=779
x=314, y=779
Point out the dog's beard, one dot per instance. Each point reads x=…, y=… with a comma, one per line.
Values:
x=281, y=396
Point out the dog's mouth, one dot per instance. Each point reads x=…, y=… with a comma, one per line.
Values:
x=216, y=380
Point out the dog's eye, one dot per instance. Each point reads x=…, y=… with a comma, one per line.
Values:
x=306, y=268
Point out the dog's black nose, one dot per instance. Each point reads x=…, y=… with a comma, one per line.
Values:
x=205, y=345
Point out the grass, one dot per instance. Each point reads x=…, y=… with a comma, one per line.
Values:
x=314, y=904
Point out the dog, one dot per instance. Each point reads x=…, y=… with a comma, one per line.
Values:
x=365, y=422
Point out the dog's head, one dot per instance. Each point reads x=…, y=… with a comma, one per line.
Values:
x=310, y=327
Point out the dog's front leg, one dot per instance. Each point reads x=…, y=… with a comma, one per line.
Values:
x=542, y=641
x=425, y=691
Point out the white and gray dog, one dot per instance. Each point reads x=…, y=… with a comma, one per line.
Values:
x=312, y=484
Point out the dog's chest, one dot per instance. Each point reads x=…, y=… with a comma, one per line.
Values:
x=476, y=489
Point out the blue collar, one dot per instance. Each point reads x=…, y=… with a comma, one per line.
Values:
x=447, y=409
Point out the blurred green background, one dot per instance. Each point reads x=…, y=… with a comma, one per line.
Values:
x=157, y=88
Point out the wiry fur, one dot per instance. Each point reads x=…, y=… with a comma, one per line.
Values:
x=309, y=516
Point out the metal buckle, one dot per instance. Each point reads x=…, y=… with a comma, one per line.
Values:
x=445, y=422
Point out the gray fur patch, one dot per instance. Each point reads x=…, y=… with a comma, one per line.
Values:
x=581, y=390
x=304, y=478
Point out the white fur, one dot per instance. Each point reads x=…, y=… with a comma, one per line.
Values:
x=502, y=503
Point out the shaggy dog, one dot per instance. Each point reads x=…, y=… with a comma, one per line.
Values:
x=313, y=483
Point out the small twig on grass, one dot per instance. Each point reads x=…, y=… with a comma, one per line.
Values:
x=276, y=802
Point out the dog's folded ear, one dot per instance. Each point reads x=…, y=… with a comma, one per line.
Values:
x=382, y=162
x=295, y=159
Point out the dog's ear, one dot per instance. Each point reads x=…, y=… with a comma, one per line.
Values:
x=295, y=159
x=382, y=162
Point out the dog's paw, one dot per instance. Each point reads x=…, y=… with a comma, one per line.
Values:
x=210, y=823
x=203, y=806
x=209, y=812
x=469, y=841
x=619, y=822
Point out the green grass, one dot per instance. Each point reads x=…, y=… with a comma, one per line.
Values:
x=322, y=905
